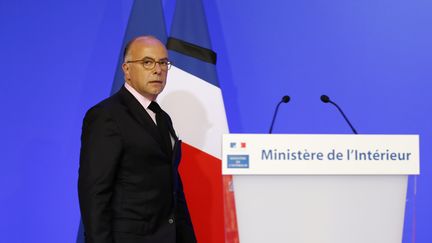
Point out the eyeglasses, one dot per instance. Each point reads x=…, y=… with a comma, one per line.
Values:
x=150, y=63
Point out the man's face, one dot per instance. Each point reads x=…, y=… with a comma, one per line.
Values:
x=148, y=82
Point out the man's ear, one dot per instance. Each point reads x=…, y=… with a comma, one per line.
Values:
x=125, y=68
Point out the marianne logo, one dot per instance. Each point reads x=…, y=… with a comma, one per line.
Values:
x=233, y=145
x=240, y=161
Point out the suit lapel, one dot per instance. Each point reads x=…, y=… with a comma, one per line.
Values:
x=140, y=114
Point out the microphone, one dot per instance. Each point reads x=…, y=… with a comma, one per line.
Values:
x=285, y=99
x=326, y=99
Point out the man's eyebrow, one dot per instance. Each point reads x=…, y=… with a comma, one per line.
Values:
x=151, y=58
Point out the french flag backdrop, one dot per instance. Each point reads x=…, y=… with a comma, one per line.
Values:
x=61, y=57
x=194, y=99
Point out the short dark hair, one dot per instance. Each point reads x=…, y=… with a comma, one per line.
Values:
x=127, y=47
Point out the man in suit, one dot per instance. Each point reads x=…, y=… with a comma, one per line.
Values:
x=129, y=188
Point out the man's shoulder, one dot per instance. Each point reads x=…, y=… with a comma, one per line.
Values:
x=112, y=101
x=110, y=105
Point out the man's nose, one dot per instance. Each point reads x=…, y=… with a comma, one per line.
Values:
x=157, y=68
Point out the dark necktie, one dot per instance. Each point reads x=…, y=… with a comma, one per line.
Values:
x=163, y=126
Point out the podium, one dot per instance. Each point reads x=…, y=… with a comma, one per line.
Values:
x=320, y=188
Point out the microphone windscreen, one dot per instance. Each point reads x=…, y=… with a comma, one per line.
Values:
x=325, y=99
x=286, y=99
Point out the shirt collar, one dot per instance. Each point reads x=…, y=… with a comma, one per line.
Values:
x=141, y=99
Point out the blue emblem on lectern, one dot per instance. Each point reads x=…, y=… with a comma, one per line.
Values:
x=240, y=161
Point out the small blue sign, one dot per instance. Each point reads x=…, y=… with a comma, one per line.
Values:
x=240, y=161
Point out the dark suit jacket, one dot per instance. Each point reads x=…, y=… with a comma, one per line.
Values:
x=129, y=188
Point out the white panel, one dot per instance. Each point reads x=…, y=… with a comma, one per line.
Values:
x=197, y=110
x=320, y=209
